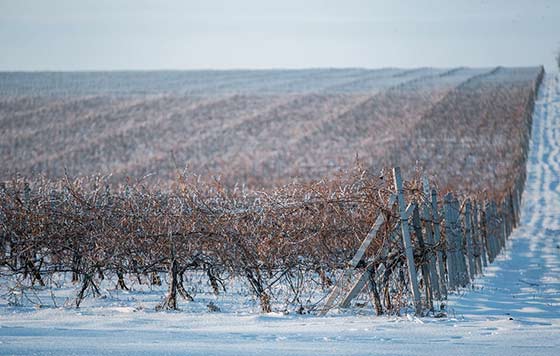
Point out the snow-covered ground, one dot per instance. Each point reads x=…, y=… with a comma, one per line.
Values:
x=514, y=309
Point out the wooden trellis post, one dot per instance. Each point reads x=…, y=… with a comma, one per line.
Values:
x=488, y=232
x=449, y=241
x=491, y=237
x=500, y=227
x=437, y=240
x=469, y=238
x=483, y=236
x=409, y=251
x=427, y=218
x=477, y=240
x=505, y=221
x=472, y=233
x=425, y=267
x=461, y=251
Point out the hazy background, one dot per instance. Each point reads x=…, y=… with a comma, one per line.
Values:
x=141, y=34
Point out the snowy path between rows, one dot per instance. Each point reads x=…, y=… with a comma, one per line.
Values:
x=514, y=309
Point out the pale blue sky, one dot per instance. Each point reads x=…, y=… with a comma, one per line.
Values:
x=141, y=34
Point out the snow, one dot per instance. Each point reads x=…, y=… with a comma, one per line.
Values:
x=513, y=309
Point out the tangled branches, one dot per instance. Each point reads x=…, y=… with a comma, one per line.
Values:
x=89, y=229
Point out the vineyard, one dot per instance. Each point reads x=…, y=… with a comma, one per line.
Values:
x=280, y=181
x=263, y=129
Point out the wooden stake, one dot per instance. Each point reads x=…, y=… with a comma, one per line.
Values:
x=469, y=238
x=424, y=265
x=478, y=246
x=450, y=241
x=407, y=241
x=437, y=240
x=426, y=217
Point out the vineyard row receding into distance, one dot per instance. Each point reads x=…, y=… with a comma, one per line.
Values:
x=309, y=245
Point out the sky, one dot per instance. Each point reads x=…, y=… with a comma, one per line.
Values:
x=210, y=34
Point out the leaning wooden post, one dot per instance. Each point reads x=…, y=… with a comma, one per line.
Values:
x=337, y=289
x=407, y=241
x=356, y=287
